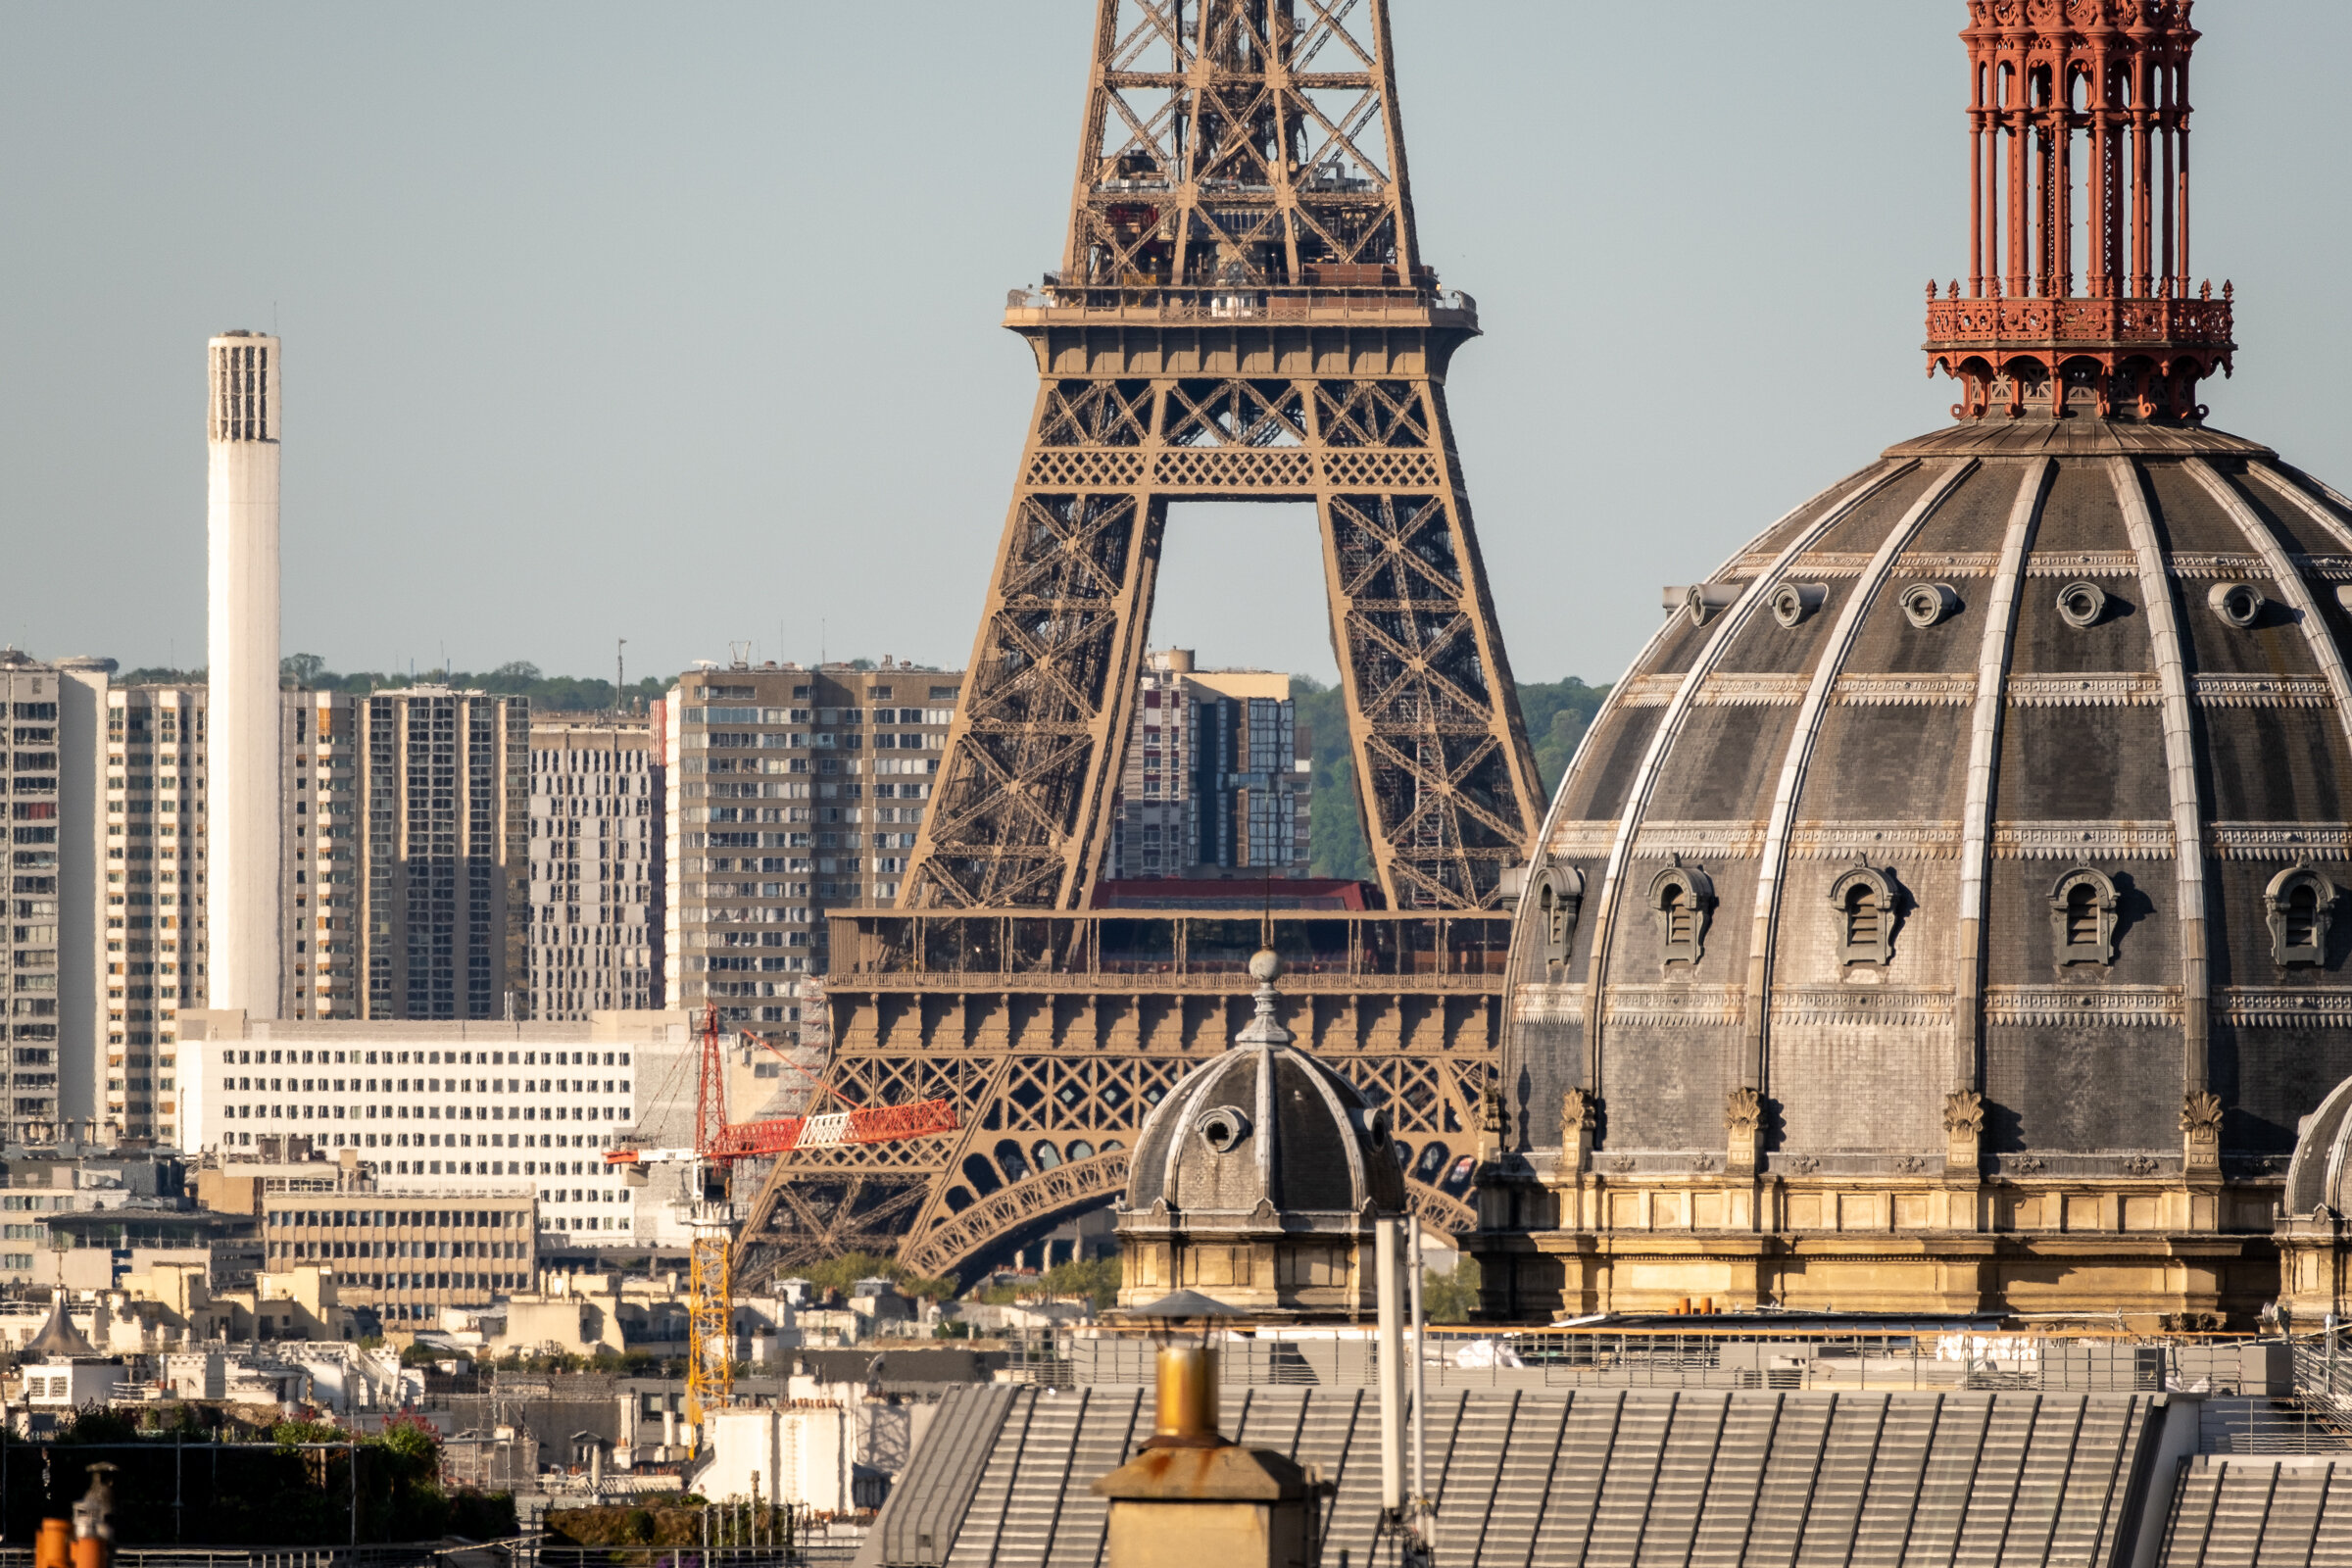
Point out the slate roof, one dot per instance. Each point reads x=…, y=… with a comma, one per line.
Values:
x=1578, y=1478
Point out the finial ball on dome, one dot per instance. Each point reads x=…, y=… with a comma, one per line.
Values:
x=1265, y=966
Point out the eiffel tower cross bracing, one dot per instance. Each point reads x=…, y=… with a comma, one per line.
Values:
x=1241, y=314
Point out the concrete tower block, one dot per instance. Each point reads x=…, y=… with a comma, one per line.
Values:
x=241, y=737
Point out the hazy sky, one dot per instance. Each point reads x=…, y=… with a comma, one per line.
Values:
x=678, y=323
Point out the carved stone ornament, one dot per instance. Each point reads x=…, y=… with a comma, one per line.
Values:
x=1491, y=1123
x=1579, y=1115
x=1963, y=1132
x=2201, y=1129
x=1682, y=897
x=2299, y=906
x=1743, y=1127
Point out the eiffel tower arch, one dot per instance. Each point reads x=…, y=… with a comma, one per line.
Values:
x=1241, y=314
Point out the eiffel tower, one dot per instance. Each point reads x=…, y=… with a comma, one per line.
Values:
x=1241, y=314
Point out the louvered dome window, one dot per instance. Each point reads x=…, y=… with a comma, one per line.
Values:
x=1683, y=896
x=2299, y=907
x=1559, y=900
x=1867, y=903
x=2082, y=917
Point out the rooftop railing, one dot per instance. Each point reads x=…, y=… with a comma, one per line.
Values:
x=1148, y=301
x=1332, y=949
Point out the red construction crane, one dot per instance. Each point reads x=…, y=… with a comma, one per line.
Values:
x=712, y=1213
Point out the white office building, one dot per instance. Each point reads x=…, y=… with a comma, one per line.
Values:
x=518, y=1106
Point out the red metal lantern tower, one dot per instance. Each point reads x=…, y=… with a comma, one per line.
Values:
x=2078, y=141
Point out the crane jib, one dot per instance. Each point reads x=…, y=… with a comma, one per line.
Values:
x=869, y=1125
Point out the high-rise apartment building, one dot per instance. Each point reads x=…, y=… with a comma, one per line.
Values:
x=155, y=957
x=403, y=824
x=441, y=797
x=56, y=835
x=1217, y=781
x=792, y=792
x=320, y=823
x=597, y=848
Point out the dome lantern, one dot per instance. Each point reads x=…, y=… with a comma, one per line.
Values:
x=2091, y=98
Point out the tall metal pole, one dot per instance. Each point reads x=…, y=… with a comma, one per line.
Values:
x=1391, y=1372
x=1425, y=1516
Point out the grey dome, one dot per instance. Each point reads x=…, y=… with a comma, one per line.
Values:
x=2318, y=1176
x=58, y=1337
x=2012, y=761
x=1265, y=1133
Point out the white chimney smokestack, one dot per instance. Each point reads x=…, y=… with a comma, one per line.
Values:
x=242, y=721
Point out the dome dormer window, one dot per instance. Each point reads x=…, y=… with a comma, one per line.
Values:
x=1223, y=1129
x=1683, y=896
x=2299, y=906
x=2082, y=910
x=1868, y=902
x=1559, y=900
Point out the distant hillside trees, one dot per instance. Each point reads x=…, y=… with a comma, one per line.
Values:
x=1557, y=713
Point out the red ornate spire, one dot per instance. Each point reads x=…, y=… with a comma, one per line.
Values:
x=2078, y=141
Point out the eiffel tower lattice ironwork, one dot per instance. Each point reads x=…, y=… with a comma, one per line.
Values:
x=1241, y=314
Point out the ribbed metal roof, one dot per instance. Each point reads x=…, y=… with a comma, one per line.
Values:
x=1631, y=1477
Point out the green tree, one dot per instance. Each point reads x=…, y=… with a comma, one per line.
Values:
x=1451, y=1297
x=1557, y=713
x=1096, y=1278
x=1333, y=820
x=843, y=1273
x=303, y=669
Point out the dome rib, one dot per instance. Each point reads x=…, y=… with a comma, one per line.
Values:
x=1993, y=658
x=1661, y=743
x=2292, y=585
x=1772, y=860
x=2179, y=763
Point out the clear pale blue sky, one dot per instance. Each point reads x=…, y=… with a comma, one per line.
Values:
x=677, y=322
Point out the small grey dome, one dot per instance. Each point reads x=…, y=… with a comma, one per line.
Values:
x=1266, y=1126
x=2316, y=1176
x=58, y=1337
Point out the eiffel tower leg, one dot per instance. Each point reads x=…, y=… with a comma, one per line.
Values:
x=1444, y=777
x=1021, y=813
